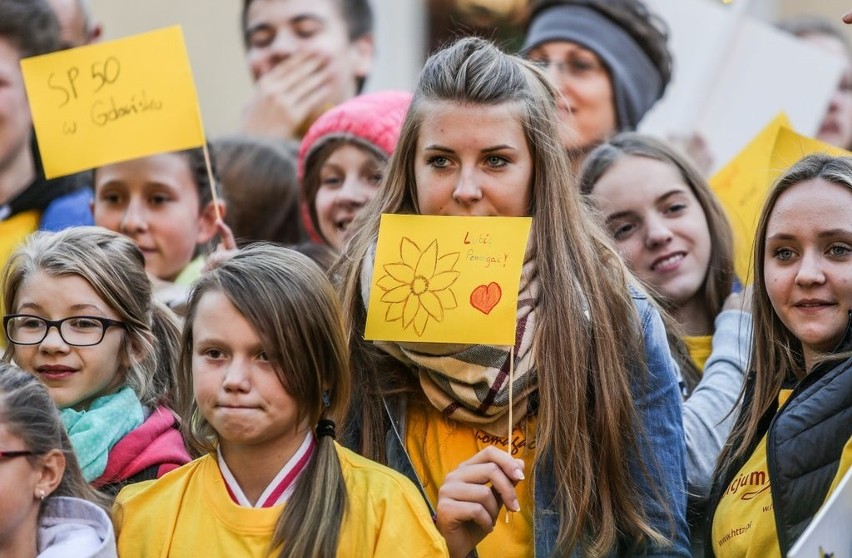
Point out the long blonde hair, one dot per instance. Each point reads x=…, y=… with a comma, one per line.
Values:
x=585, y=366
x=293, y=308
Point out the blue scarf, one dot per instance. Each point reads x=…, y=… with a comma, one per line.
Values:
x=94, y=432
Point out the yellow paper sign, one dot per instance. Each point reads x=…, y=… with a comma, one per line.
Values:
x=743, y=183
x=113, y=101
x=741, y=186
x=447, y=279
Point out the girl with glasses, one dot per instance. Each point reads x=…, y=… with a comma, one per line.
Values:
x=80, y=317
x=47, y=509
x=609, y=60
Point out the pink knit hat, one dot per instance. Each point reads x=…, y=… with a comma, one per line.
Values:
x=372, y=120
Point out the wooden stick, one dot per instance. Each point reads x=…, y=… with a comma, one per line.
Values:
x=212, y=181
x=511, y=406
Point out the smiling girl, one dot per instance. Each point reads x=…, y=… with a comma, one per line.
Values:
x=164, y=203
x=672, y=232
x=342, y=159
x=265, y=352
x=792, y=441
x=79, y=316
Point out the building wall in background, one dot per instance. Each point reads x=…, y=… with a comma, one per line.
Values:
x=212, y=32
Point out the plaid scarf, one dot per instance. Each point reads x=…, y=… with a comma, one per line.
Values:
x=470, y=383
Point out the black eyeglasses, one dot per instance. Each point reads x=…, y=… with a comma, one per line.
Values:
x=11, y=454
x=79, y=331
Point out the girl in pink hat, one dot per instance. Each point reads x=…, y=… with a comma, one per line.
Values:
x=342, y=159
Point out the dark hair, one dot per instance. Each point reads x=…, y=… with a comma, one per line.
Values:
x=647, y=29
x=28, y=412
x=30, y=25
x=356, y=14
x=260, y=187
x=198, y=170
x=322, y=254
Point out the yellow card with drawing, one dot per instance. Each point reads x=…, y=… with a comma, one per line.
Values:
x=113, y=101
x=447, y=279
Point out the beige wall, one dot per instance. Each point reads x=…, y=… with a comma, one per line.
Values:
x=211, y=28
x=212, y=32
x=832, y=10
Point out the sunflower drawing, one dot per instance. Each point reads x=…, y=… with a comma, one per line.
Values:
x=417, y=288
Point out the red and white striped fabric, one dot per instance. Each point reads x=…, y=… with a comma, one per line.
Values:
x=281, y=487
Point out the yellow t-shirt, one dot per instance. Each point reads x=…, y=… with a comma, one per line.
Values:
x=13, y=232
x=437, y=446
x=699, y=347
x=744, y=522
x=188, y=513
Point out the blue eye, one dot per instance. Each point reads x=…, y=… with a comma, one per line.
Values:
x=784, y=254
x=496, y=162
x=839, y=250
x=438, y=161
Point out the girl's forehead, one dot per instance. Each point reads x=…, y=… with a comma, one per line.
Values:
x=171, y=169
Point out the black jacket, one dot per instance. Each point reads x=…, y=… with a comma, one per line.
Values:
x=803, y=448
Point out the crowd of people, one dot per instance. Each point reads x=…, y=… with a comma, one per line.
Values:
x=186, y=371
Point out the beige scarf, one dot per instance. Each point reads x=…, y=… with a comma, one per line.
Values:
x=470, y=383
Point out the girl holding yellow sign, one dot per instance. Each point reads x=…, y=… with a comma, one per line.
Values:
x=595, y=463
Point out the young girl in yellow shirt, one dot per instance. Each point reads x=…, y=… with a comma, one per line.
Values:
x=265, y=352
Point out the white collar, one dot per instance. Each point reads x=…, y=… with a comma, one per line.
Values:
x=282, y=486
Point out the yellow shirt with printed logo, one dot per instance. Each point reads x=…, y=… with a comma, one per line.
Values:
x=744, y=522
x=438, y=445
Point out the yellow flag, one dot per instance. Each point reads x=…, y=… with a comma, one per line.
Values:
x=113, y=101
x=743, y=183
x=447, y=279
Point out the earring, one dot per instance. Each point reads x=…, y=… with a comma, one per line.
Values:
x=41, y=495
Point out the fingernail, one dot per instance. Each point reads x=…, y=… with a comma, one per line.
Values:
x=519, y=475
x=516, y=506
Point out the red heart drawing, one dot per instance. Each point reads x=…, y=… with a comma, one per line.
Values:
x=485, y=297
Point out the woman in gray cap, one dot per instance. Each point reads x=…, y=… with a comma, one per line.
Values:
x=609, y=60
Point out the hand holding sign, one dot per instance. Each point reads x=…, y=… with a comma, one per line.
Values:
x=113, y=101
